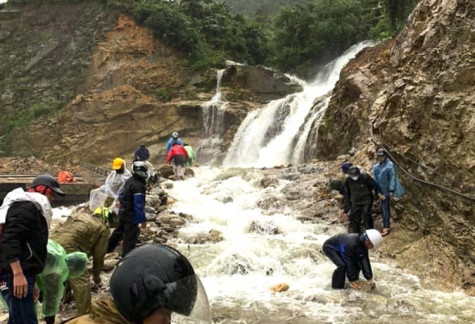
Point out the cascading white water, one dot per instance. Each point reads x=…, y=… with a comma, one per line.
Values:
x=209, y=147
x=277, y=133
x=238, y=271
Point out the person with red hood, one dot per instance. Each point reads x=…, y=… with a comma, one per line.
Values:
x=179, y=156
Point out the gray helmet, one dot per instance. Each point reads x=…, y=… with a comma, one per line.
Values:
x=140, y=169
x=155, y=276
x=48, y=181
x=382, y=152
x=175, y=134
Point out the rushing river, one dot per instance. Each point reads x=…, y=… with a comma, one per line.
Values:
x=238, y=272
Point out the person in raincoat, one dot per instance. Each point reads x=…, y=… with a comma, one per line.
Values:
x=384, y=173
x=24, y=222
x=179, y=156
x=149, y=285
x=191, y=154
x=172, y=141
x=89, y=234
x=59, y=267
x=114, y=182
x=349, y=252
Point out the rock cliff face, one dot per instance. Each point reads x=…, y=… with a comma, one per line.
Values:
x=419, y=91
x=134, y=90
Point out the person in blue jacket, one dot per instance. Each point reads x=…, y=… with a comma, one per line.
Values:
x=132, y=210
x=349, y=252
x=384, y=174
x=172, y=140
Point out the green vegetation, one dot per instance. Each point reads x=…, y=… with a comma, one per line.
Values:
x=292, y=35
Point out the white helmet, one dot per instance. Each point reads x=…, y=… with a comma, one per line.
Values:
x=175, y=134
x=374, y=236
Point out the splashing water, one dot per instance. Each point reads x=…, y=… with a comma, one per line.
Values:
x=238, y=271
x=277, y=133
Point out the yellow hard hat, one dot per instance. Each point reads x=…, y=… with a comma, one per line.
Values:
x=117, y=163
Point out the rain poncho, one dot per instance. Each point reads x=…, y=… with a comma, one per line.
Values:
x=191, y=155
x=114, y=182
x=56, y=272
x=18, y=194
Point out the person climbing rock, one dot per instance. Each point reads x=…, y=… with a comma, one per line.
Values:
x=173, y=140
x=179, y=156
x=89, y=234
x=349, y=252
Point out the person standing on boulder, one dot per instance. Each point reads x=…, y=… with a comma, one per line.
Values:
x=179, y=156
x=172, y=141
x=349, y=252
x=24, y=219
x=358, y=193
x=384, y=173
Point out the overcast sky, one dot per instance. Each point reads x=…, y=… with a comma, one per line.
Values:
x=2, y=1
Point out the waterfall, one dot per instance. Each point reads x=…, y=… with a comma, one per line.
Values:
x=209, y=147
x=277, y=133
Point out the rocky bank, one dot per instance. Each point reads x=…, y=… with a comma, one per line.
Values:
x=419, y=91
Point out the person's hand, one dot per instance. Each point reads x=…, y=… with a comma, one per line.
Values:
x=20, y=285
x=343, y=216
x=97, y=279
x=354, y=285
x=372, y=284
x=381, y=196
x=36, y=293
x=143, y=225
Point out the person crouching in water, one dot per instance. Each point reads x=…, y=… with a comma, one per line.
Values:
x=349, y=252
x=179, y=156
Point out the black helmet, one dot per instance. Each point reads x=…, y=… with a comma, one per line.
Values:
x=381, y=152
x=155, y=276
x=48, y=181
x=140, y=169
x=354, y=171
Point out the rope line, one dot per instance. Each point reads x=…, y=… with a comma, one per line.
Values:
x=410, y=175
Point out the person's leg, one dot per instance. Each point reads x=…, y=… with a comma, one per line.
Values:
x=368, y=218
x=50, y=319
x=81, y=287
x=20, y=310
x=115, y=237
x=338, y=277
x=355, y=219
x=131, y=235
x=385, y=211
